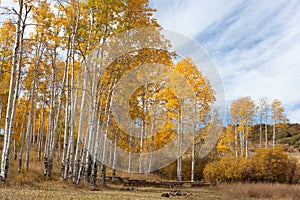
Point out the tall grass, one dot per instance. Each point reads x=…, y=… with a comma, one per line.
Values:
x=259, y=190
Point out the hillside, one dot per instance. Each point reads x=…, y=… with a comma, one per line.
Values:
x=289, y=135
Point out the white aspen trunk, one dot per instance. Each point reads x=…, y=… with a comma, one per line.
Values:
x=89, y=149
x=146, y=162
x=29, y=127
x=16, y=94
x=92, y=125
x=59, y=144
x=246, y=147
x=115, y=156
x=91, y=168
x=13, y=89
x=80, y=126
x=74, y=95
x=152, y=142
x=82, y=157
x=1, y=105
x=193, y=161
x=15, y=149
x=56, y=124
x=97, y=151
x=15, y=145
x=22, y=142
x=65, y=143
x=69, y=156
x=274, y=135
x=103, y=173
x=41, y=132
x=70, y=151
x=66, y=119
x=260, y=129
x=11, y=121
x=242, y=142
x=129, y=156
x=34, y=123
x=141, y=147
x=29, y=131
x=107, y=112
x=50, y=123
x=38, y=138
x=110, y=155
x=246, y=143
x=193, y=146
x=7, y=128
x=266, y=131
x=236, y=141
x=180, y=129
x=100, y=141
x=104, y=159
x=143, y=127
x=94, y=109
x=179, y=155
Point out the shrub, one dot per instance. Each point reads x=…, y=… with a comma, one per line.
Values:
x=170, y=171
x=226, y=170
x=267, y=165
x=296, y=177
x=273, y=165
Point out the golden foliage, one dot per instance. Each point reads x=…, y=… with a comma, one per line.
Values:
x=268, y=165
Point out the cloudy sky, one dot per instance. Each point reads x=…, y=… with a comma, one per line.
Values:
x=255, y=45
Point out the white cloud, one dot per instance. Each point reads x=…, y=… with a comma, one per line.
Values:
x=190, y=16
x=255, y=44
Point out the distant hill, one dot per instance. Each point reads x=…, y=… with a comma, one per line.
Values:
x=289, y=135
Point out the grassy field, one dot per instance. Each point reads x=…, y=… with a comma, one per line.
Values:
x=33, y=185
x=259, y=191
x=54, y=190
x=60, y=190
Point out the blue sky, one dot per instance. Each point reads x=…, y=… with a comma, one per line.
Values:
x=255, y=45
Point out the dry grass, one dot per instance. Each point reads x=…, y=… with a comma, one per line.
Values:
x=33, y=185
x=259, y=191
x=59, y=190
